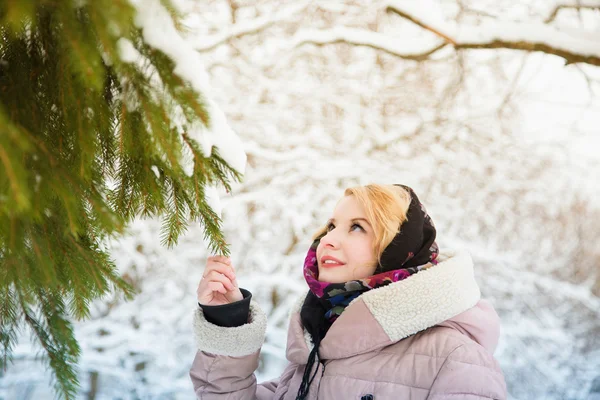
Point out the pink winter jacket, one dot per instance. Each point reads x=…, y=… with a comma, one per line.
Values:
x=426, y=337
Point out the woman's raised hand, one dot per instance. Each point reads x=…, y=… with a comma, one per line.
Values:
x=218, y=284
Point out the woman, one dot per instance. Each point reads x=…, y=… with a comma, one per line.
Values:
x=386, y=316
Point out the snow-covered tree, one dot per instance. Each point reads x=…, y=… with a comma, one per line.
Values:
x=105, y=115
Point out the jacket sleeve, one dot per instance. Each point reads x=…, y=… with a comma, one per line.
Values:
x=469, y=373
x=227, y=358
x=229, y=315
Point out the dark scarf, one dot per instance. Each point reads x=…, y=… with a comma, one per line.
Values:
x=412, y=250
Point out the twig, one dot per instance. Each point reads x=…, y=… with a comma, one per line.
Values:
x=579, y=5
x=361, y=37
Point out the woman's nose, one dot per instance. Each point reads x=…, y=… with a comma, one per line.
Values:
x=330, y=240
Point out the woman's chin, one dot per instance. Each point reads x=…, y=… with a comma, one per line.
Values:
x=330, y=279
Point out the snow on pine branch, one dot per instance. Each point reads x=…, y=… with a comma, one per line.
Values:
x=573, y=46
x=159, y=31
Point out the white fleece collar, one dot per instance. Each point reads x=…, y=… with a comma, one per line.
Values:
x=425, y=299
x=420, y=301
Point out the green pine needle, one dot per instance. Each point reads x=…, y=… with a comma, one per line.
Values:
x=87, y=144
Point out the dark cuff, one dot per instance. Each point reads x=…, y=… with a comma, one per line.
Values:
x=229, y=315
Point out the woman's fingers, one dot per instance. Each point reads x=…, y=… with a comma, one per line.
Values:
x=215, y=276
x=218, y=284
x=221, y=259
x=217, y=287
x=219, y=267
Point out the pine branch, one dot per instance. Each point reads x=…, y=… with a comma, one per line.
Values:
x=13, y=170
x=62, y=353
x=175, y=222
x=9, y=324
x=89, y=140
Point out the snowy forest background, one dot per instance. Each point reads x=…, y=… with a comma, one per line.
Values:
x=501, y=146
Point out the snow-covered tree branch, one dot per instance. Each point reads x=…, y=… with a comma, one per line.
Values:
x=574, y=46
x=248, y=27
x=363, y=37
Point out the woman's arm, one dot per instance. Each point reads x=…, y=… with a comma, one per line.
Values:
x=227, y=358
x=222, y=377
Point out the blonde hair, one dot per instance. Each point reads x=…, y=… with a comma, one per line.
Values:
x=386, y=208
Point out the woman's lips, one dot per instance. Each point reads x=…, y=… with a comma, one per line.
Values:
x=333, y=262
x=331, y=265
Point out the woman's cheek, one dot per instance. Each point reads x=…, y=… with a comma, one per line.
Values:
x=319, y=250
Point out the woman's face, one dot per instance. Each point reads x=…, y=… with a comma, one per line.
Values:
x=346, y=253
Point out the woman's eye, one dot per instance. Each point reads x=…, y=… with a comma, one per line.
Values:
x=354, y=226
x=330, y=227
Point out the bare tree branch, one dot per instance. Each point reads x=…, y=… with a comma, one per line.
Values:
x=246, y=28
x=570, y=57
x=576, y=4
x=421, y=23
x=234, y=7
x=363, y=37
x=589, y=80
x=512, y=88
x=473, y=11
x=508, y=35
